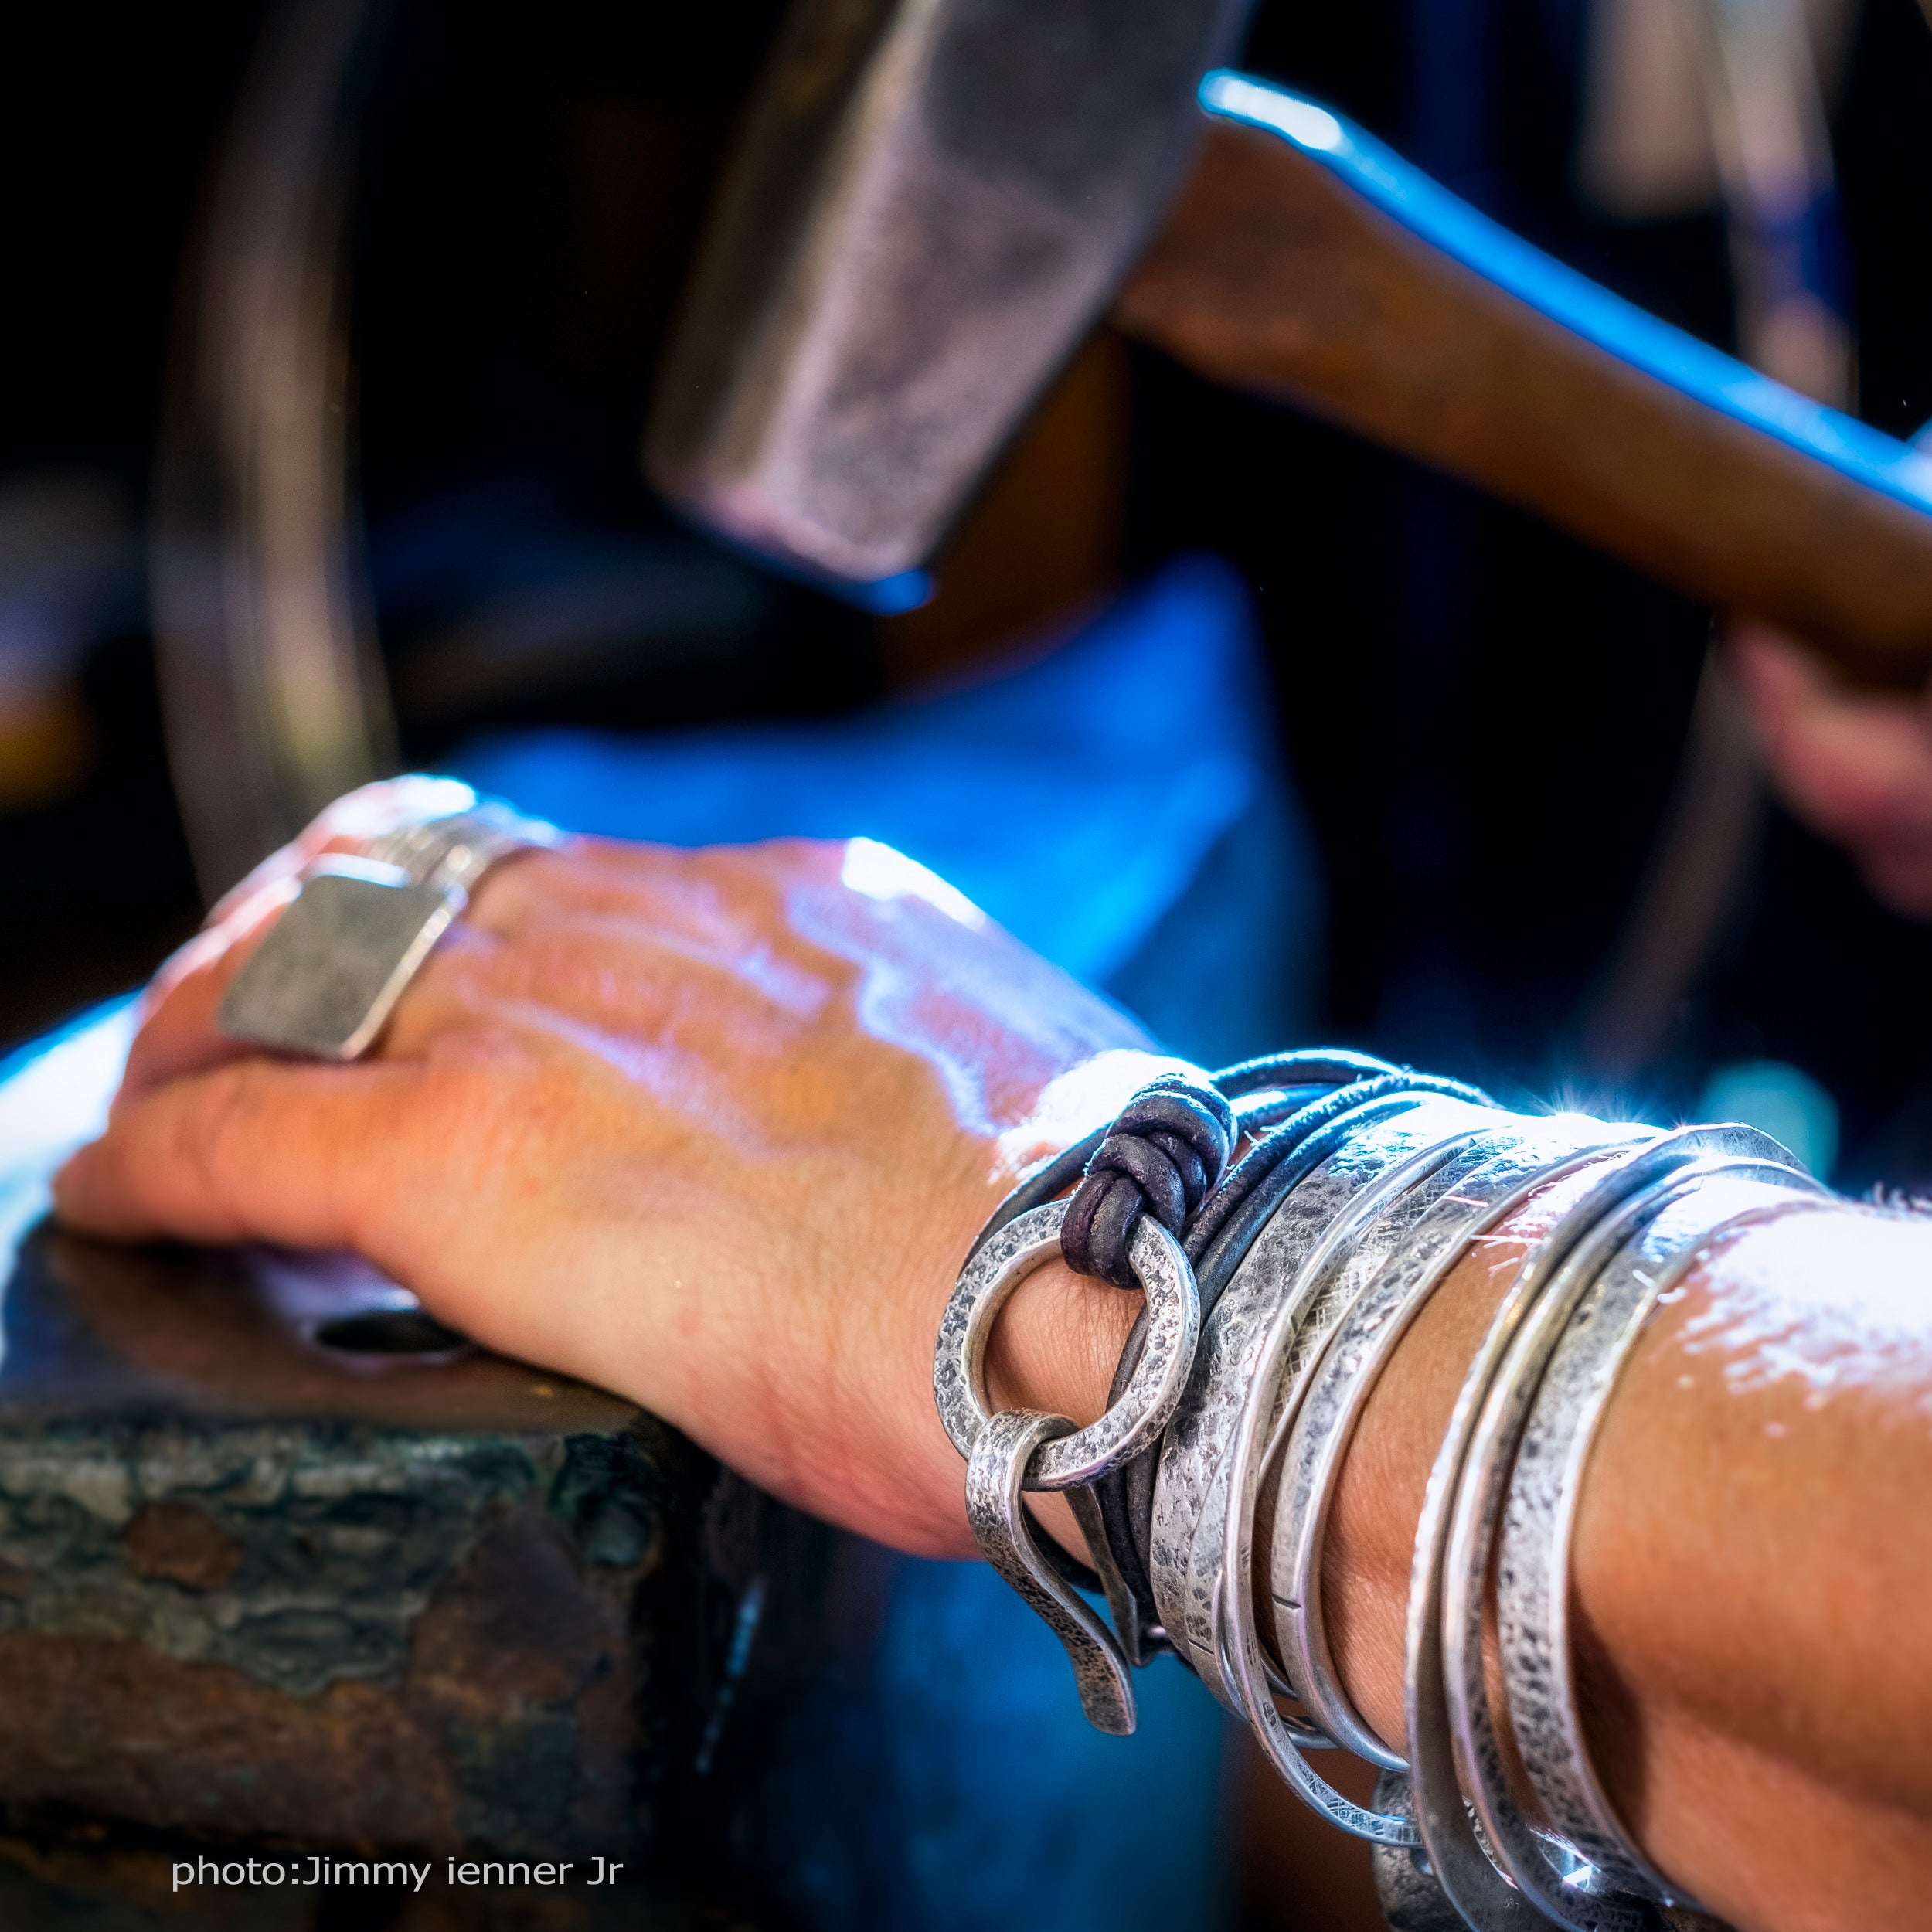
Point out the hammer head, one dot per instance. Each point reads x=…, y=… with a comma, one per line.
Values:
x=932, y=202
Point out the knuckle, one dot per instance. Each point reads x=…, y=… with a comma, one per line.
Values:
x=527, y=887
x=468, y=1075
x=782, y=861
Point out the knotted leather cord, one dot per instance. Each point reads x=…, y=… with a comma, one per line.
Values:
x=1280, y=1074
x=1217, y=1241
x=1168, y=1146
x=1165, y=1153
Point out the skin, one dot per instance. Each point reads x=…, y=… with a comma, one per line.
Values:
x=1853, y=765
x=715, y=1130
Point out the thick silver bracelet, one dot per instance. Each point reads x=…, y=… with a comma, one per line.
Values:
x=1540, y=1519
x=1313, y=1299
x=1563, y=1887
x=1482, y=1185
x=1459, y=1862
x=1190, y=1496
x=1337, y=1273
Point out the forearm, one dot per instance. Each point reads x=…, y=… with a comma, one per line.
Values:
x=1752, y=1562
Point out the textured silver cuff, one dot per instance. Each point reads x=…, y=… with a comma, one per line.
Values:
x=1457, y=1857
x=1540, y=1520
x=1320, y=1294
x=1190, y=1494
x=1437, y=1223
x=1384, y=1198
x=1566, y=1895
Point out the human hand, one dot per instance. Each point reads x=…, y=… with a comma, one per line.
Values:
x=1855, y=766
x=713, y=1129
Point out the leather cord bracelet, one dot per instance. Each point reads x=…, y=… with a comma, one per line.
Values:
x=1167, y=1154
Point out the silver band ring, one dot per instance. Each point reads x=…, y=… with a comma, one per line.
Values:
x=329, y=972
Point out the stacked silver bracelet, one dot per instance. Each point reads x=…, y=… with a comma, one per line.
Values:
x=1253, y=1405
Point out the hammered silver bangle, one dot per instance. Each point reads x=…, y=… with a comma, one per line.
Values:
x=1540, y=1519
x=1360, y=1248
x=1344, y=1198
x=1457, y=1858
x=1569, y=1897
x=1189, y=1493
x=1561, y=1890
x=1255, y=1405
x=1190, y=1497
x=1481, y=1187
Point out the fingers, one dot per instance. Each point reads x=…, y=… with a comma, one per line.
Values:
x=310, y=1156
x=387, y=1157
x=1855, y=767
x=1853, y=764
x=644, y=942
x=178, y=1033
x=627, y=938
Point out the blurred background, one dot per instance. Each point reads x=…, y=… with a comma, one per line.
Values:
x=330, y=333
x=461, y=234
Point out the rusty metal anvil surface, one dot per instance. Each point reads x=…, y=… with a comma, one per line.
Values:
x=267, y=1583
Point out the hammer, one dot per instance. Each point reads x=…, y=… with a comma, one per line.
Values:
x=935, y=200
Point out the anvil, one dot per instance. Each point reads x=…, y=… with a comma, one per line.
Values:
x=289, y=1570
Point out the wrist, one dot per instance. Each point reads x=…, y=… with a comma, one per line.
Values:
x=1058, y=1343
x=892, y=1474
x=1058, y=1340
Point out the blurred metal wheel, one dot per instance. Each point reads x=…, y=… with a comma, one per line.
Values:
x=272, y=688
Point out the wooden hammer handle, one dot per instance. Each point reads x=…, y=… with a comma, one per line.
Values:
x=1326, y=273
